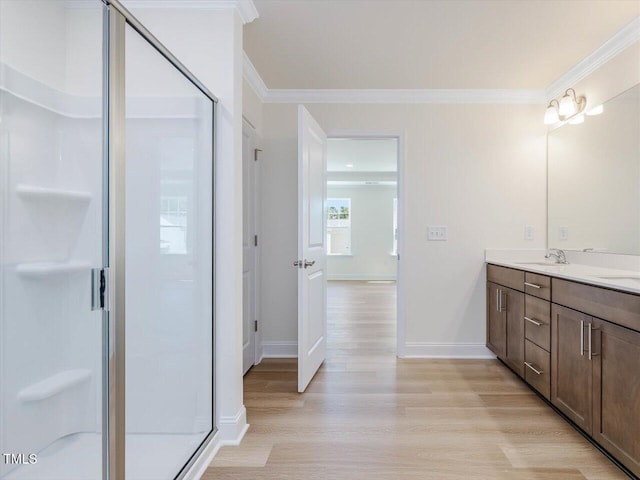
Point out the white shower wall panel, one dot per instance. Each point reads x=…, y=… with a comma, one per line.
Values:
x=46, y=321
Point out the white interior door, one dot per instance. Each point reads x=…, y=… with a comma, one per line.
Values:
x=311, y=262
x=249, y=247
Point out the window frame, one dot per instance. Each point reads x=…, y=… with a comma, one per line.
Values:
x=347, y=228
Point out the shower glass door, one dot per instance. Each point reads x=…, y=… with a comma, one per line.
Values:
x=51, y=235
x=169, y=327
x=126, y=393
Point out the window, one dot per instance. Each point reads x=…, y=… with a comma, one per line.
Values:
x=338, y=226
x=395, y=227
x=173, y=225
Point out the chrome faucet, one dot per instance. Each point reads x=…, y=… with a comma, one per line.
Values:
x=558, y=254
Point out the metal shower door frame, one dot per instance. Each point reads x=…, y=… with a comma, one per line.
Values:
x=116, y=18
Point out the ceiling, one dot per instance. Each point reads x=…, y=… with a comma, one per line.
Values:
x=363, y=154
x=427, y=44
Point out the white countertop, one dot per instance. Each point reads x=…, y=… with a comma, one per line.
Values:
x=625, y=280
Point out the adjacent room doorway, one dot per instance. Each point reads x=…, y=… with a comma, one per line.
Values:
x=362, y=245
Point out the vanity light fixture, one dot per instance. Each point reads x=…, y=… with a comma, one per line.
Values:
x=551, y=114
x=569, y=106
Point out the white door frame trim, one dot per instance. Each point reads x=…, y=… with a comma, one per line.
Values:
x=247, y=126
x=400, y=272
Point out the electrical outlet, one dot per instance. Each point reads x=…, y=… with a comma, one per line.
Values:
x=529, y=232
x=563, y=233
x=437, y=233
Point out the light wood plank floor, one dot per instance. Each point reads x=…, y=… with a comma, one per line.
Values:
x=369, y=415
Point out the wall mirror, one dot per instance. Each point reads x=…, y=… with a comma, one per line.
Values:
x=594, y=179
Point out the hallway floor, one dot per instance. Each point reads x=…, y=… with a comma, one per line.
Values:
x=368, y=415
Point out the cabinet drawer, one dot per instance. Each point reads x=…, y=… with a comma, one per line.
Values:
x=537, y=285
x=537, y=321
x=537, y=368
x=617, y=307
x=507, y=277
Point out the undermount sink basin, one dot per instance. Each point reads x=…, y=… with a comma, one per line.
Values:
x=545, y=264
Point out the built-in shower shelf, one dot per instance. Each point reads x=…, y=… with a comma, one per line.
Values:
x=43, y=270
x=54, y=385
x=32, y=192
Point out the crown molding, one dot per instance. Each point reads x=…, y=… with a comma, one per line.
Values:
x=388, y=96
x=253, y=78
x=405, y=96
x=624, y=38
x=245, y=8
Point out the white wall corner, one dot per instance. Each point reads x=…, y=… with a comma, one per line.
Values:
x=232, y=428
x=445, y=350
x=253, y=78
x=624, y=38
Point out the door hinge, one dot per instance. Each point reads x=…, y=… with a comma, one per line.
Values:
x=255, y=153
x=255, y=325
x=100, y=289
x=255, y=240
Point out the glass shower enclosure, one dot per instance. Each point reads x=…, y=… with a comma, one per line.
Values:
x=106, y=248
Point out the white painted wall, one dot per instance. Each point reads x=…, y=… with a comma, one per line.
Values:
x=479, y=169
x=371, y=234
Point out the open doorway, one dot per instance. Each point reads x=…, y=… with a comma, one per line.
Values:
x=362, y=245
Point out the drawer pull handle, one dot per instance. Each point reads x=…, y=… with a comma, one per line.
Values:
x=538, y=372
x=532, y=285
x=536, y=323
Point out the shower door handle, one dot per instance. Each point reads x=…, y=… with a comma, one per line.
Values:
x=99, y=288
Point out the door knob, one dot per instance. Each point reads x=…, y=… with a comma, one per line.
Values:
x=307, y=263
x=297, y=263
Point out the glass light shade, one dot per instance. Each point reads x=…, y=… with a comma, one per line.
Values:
x=567, y=106
x=577, y=120
x=596, y=110
x=551, y=115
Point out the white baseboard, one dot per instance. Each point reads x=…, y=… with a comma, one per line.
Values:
x=231, y=431
x=232, y=428
x=359, y=276
x=445, y=350
x=279, y=350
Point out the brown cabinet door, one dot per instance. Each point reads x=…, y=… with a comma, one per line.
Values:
x=513, y=303
x=616, y=392
x=496, y=321
x=571, y=369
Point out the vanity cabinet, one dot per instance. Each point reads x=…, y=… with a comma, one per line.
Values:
x=496, y=322
x=578, y=345
x=616, y=392
x=571, y=367
x=505, y=329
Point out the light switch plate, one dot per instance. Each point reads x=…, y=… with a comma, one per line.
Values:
x=529, y=232
x=437, y=233
x=563, y=233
